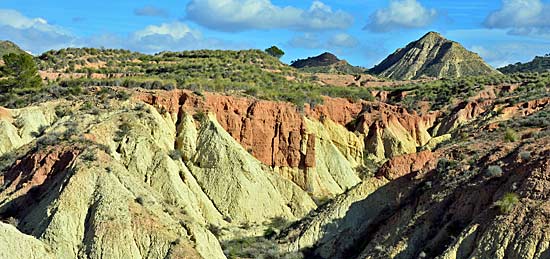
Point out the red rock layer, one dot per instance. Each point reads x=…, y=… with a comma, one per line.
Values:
x=274, y=132
x=406, y=164
x=35, y=174
x=34, y=170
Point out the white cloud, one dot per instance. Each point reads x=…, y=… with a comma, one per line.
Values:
x=306, y=41
x=316, y=41
x=240, y=15
x=37, y=35
x=175, y=36
x=175, y=30
x=343, y=40
x=521, y=17
x=401, y=14
x=509, y=53
x=32, y=34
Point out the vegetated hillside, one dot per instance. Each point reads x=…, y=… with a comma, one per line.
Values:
x=432, y=56
x=326, y=63
x=249, y=72
x=7, y=47
x=538, y=64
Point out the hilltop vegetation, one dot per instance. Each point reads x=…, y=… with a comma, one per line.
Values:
x=445, y=92
x=247, y=72
x=8, y=47
x=538, y=64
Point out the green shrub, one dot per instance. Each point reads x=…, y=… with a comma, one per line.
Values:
x=123, y=130
x=275, y=51
x=215, y=230
x=175, y=154
x=199, y=115
x=445, y=164
x=278, y=222
x=507, y=203
x=494, y=171
x=140, y=200
x=89, y=156
x=511, y=135
x=270, y=232
x=524, y=155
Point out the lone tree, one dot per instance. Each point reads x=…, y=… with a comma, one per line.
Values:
x=19, y=72
x=275, y=51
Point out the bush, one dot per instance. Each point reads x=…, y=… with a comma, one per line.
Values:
x=122, y=95
x=270, y=233
x=445, y=164
x=123, y=130
x=524, y=155
x=89, y=156
x=511, y=135
x=278, y=223
x=215, y=230
x=494, y=171
x=62, y=111
x=12, y=221
x=140, y=200
x=257, y=248
x=507, y=203
x=175, y=154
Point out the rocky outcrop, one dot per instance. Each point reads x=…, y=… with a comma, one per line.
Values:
x=406, y=164
x=523, y=108
x=329, y=222
x=391, y=131
x=172, y=174
x=277, y=135
x=234, y=180
x=463, y=113
x=333, y=172
x=123, y=189
x=16, y=245
x=19, y=127
x=432, y=56
x=448, y=211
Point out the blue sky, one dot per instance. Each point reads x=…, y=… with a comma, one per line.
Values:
x=360, y=31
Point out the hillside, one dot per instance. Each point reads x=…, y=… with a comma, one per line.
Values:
x=233, y=154
x=538, y=64
x=432, y=56
x=7, y=47
x=326, y=63
x=172, y=174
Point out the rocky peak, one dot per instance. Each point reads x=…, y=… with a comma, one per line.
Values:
x=432, y=36
x=432, y=56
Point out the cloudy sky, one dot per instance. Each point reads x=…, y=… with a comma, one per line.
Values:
x=360, y=31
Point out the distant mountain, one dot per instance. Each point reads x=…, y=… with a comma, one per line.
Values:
x=7, y=47
x=539, y=64
x=432, y=56
x=326, y=63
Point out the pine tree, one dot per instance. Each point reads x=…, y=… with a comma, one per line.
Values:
x=275, y=51
x=20, y=73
